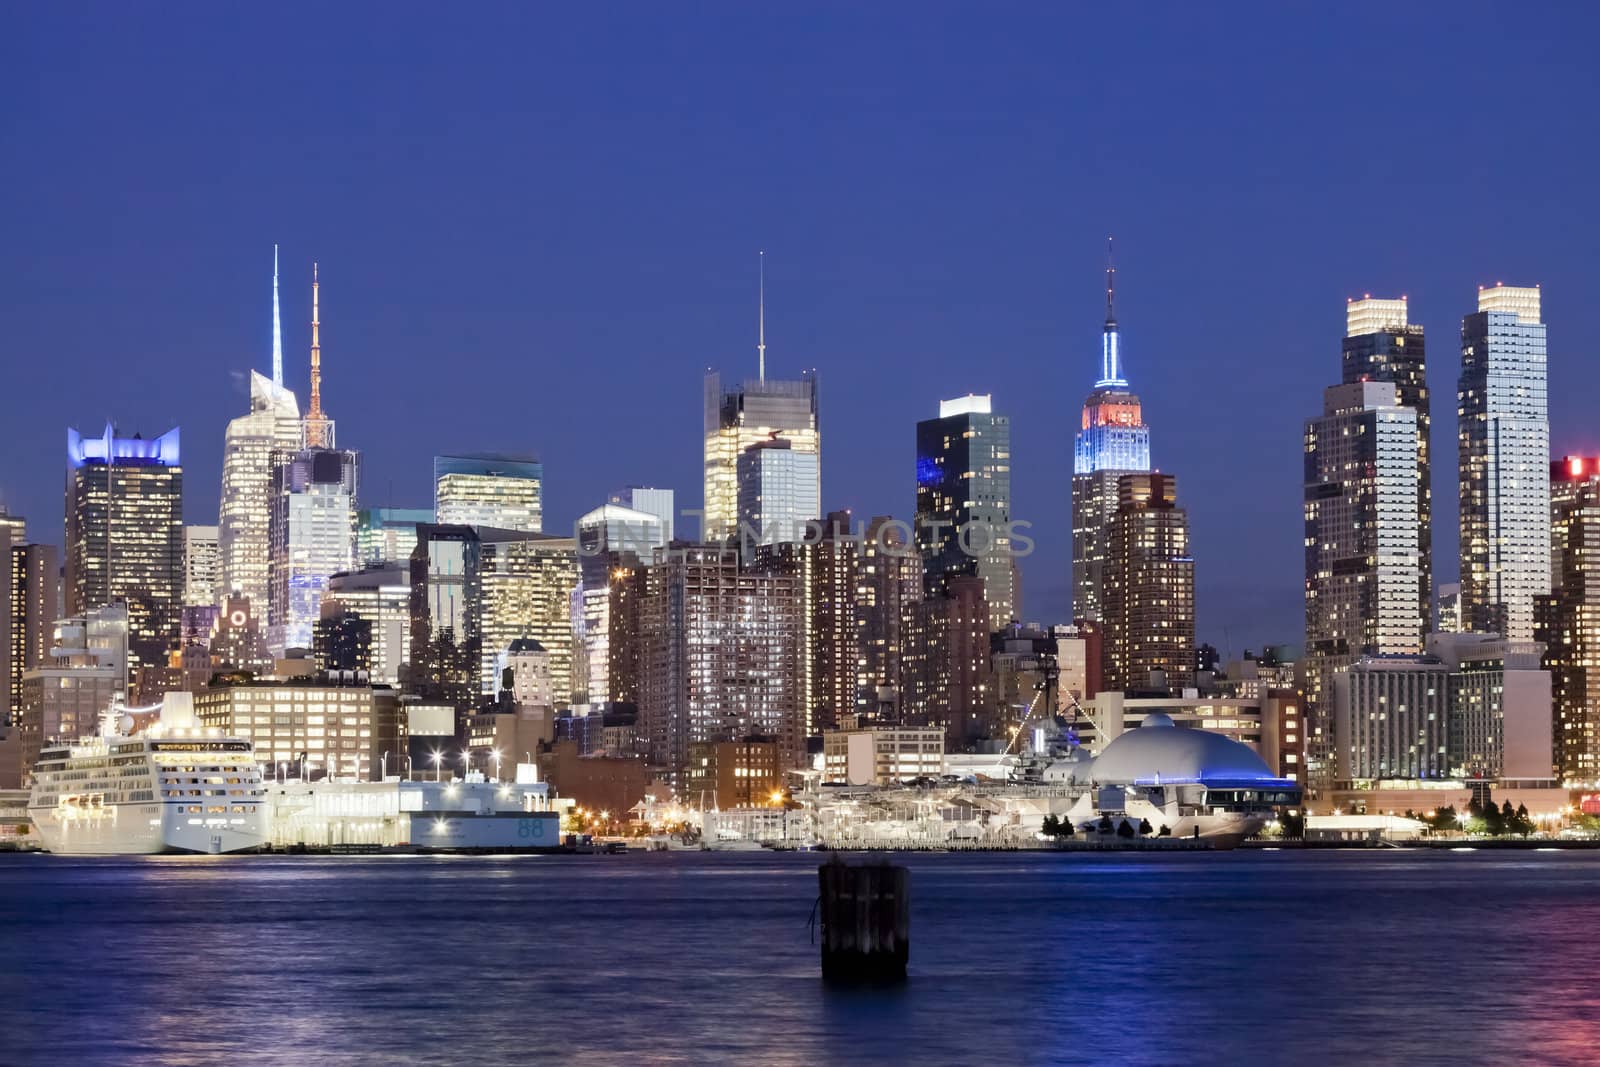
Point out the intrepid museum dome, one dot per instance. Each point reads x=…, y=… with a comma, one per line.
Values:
x=1161, y=751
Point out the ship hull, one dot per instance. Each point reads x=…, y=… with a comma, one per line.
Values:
x=142, y=830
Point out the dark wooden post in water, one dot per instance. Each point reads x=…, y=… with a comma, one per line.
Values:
x=866, y=921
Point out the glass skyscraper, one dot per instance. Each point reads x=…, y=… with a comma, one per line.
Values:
x=1381, y=346
x=504, y=492
x=964, y=502
x=754, y=413
x=312, y=538
x=125, y=535
x=271, y=427
x=1503, y=437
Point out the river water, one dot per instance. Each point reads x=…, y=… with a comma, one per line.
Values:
x=681, y=958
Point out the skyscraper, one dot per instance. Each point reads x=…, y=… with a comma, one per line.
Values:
x=387, y=535
x=522, y=587
x=778, y=492
x=720, y=650
x=1381, y=346
x=27, y=610
x=658, y=502
x=312, y=538
x=964, y=502
x=1503, y=437
x=1148, y=585
x=1112, y=441
x=125, y=535
x=271, y=429
x=755, y=413
x=888, y=589
x=1569, y=617
x=1364, y=585
x=489, y=490
x=202, y=567
x=826, y=570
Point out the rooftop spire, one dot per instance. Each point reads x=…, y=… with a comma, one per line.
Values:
x=317, y=426
x=761, y=335
x=1111, y=286
x=1110, y=344
x=277, y=329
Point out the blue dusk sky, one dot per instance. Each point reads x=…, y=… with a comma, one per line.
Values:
x=538, y=224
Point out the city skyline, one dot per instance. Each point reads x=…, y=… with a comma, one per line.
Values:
x=892, y=320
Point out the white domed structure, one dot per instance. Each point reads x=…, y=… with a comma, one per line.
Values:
x=1158, y=752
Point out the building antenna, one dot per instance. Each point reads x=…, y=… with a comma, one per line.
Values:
x=1111, y=285
x=277, y=329
x=761, y=335
x=1111, y=344
x=316, y=422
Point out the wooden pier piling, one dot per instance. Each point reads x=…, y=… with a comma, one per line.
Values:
x=866, y=921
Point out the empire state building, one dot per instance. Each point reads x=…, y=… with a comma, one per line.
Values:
x=1113, y=442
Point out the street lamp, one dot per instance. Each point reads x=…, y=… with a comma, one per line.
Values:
x=383, y=768
x=466, y=762
x=496, y=754
x=438, y=757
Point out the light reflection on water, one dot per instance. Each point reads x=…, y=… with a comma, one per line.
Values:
x=1287, y=957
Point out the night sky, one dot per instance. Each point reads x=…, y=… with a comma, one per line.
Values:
x=537, y=232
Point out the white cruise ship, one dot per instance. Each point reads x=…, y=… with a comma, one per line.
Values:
x=172, y=787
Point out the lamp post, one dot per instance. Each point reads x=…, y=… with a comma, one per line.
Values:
x=437, y=759
x=496, y=754
x=466, y=762
x=383, y=768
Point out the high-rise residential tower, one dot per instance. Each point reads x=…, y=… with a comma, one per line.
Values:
x=489, y=490
x=1148, y=585
x=1363, y=582
x=1569, y=617
x=125, y=535
x=963, y=523
x=1503, y=438
x=28, y=577
x=1112, y=441
x=1380, y=345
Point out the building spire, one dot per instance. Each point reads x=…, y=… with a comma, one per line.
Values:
x=1110, y=344
x=317, y=426
x=761, y=334
x=1111, y=287
x=277, y=329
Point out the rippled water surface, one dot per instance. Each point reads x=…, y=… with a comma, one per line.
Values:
x=1244, y=957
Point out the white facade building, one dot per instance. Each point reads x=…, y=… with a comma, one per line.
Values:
x=243, y=540
x=312, y=539
x=202, y=567
x=779, y=491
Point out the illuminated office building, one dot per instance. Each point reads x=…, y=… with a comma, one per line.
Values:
x=323, y=727
x=1364, y=589
x=272, y=426
x=202, y=567
x=613, y=539
x=380, y=595
x=1112, y=441
x=779, y=492
x=964, y=503
x=657, y=502
x=1149, y=586
x=1569, y=617
x=312, y=539
x=1503, y=437
x=388, y=535
x=504, y=492
x=755, y=412
x=522, y=587
x=1380, y=345
x=125, y=535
